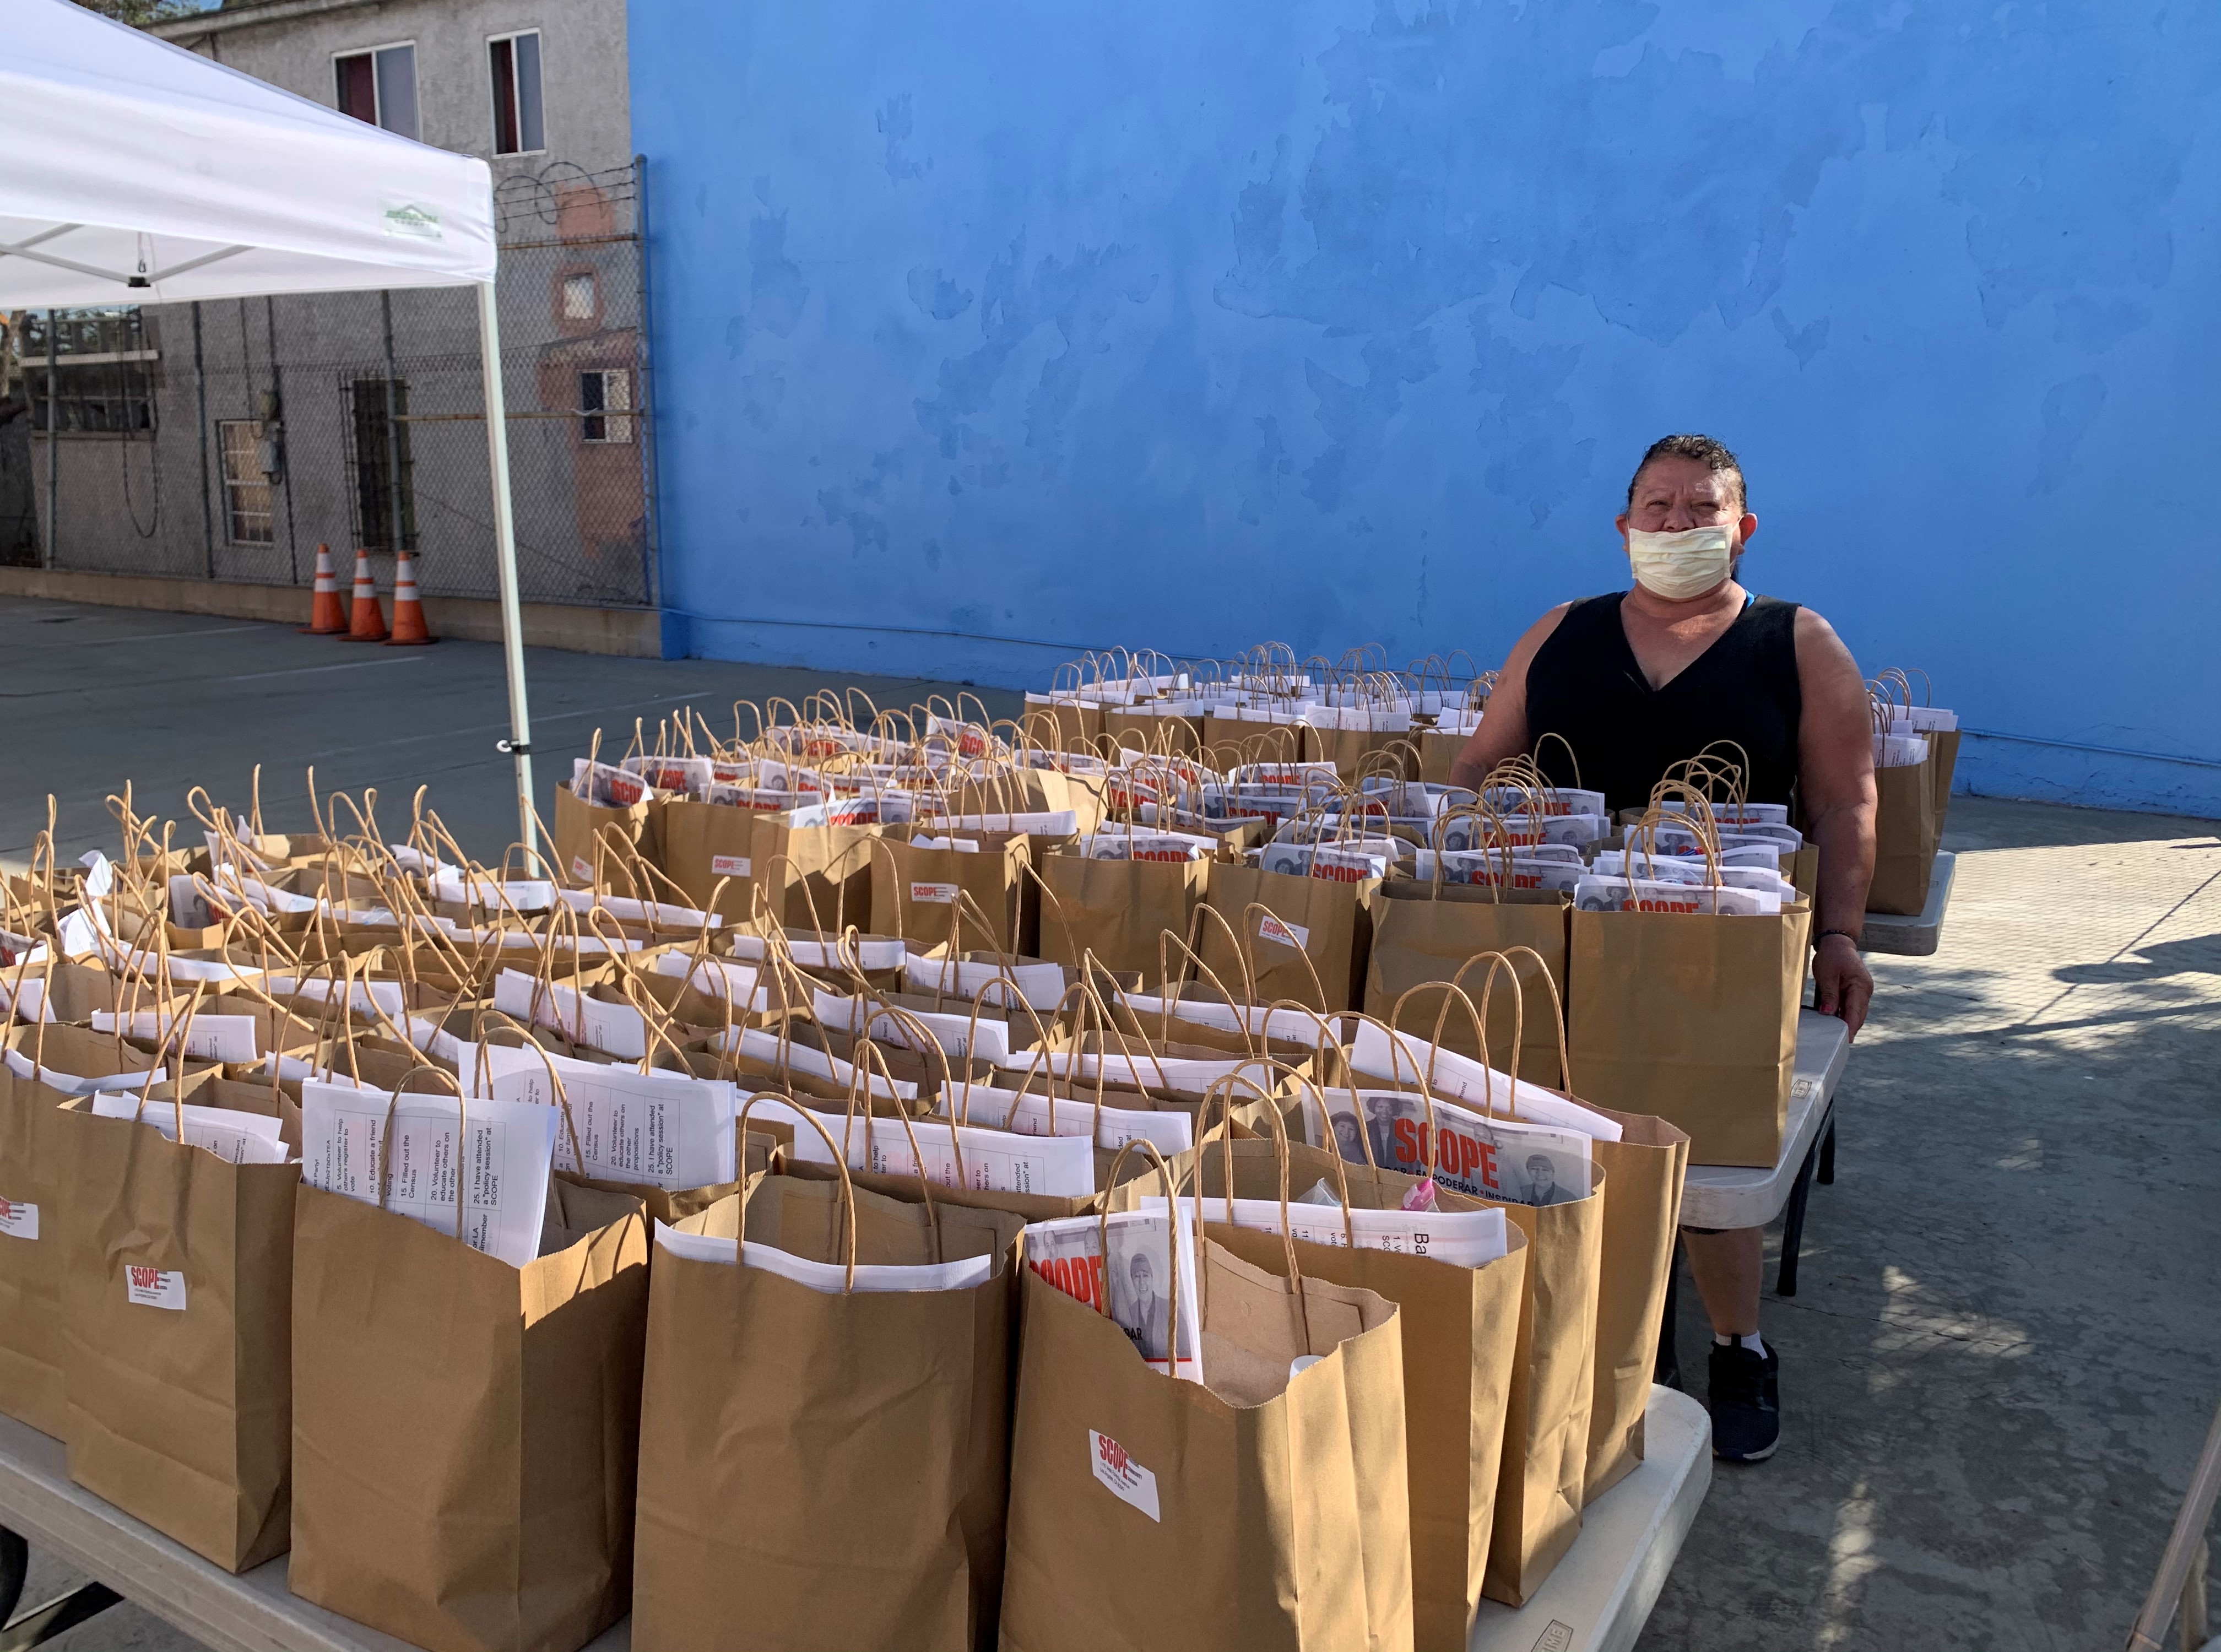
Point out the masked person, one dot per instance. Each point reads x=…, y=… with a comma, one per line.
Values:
x=1641, y=679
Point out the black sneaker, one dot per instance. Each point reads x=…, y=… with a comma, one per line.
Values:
x=1745, y=1402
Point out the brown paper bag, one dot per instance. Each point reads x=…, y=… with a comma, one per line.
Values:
x=1232, y=741
x=1117, y=909
x=34, y=1183
x=1546, y=1428
x=1692, y=1017
x=706, y=845
x=1356, y=752
x=177, y=1324
x=1297, y=937
x=595, y=844
x=1058, y=723
x=1907, y=826
x=825, y=1470
x=944, y=895
x=1943, y=750
x=1641, y=1217
x=1461, y=1332
x=1169, y=735
x=465, y=1433
x=1150, y=1512
x=1437, y=752
x=813, y=876
x=1424, y=932
x=32, y=1179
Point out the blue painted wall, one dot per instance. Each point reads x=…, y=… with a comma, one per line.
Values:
x=990, y=331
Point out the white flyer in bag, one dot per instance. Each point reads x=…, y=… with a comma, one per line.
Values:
x=209, y=1038
x=993, y=1161
x=1158, y=845
x=613, y=1028
x=814, y=951
x=1484, y=867
x=1411, y=1059
x=25, y=999
x=1041, y=986
x=19, y=1063
x=1547, y=800
x=690, y=775
x=1143, y=1247
x=1488, y=1158
x=1023, y=1113
x=1141, y=1069
x=1735, y=814
x=804, y=1057
x=988, y=1037
x=1646, y=895
x=525, y=894
x=625, y=909
x=503, y=1168
x=831, y=1278
x=715, y=978
x=1301, y=1025
x=1462, y=1238
x=660, y=1129
x=237, y=1137
x=1341, y=863
x=1524, y=831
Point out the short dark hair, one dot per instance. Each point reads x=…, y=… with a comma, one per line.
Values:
x=1712, y=455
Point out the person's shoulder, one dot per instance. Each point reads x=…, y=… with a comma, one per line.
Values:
x=1578, y=610
x=1810, y=627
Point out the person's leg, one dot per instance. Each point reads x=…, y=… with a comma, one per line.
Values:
x=1744, y=1394
x=1729, y=1265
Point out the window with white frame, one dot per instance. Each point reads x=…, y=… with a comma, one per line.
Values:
x=579, y=295
x=603, y=394
x=379, y=86
x=514, y=63
x=247, y=515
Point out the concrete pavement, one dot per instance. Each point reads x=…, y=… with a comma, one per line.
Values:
x=93, y=696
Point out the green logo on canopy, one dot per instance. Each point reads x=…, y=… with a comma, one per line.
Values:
x=409, y=219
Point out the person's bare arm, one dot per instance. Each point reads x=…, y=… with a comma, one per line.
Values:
x=1503, y=731
x=1834, y=761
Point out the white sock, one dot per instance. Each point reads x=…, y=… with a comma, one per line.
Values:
x=1752, y=1341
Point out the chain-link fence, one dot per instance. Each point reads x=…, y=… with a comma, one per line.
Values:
x=226, y=439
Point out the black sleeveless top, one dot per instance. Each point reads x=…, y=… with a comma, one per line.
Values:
x=1584, y=685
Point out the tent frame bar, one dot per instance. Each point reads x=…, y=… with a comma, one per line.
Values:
x=518, y=746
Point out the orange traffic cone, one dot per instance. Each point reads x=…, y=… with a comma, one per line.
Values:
x=326, y=616
x=369, y=624
x=408, y=606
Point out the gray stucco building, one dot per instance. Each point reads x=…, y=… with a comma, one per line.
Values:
x=229, y=439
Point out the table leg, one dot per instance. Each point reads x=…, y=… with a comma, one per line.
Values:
x=1666, y=1367
x=41, y=1623
x=14, y=1566
x=1792, y=1227
x=1827, y=1176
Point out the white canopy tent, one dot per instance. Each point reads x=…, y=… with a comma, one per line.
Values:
x=135, y=171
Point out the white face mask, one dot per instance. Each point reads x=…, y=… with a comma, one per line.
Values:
x=1678, y=566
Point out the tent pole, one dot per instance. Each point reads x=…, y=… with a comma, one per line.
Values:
x=54, y=437
x=519, y=743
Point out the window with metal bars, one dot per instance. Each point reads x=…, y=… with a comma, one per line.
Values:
x=603, y=394
x=385, y=479
x=248, y=518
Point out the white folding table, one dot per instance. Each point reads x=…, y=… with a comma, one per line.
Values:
x=250, y=1613
x=1741, y=1196
x=1916, y=936
x=1601, y=1593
